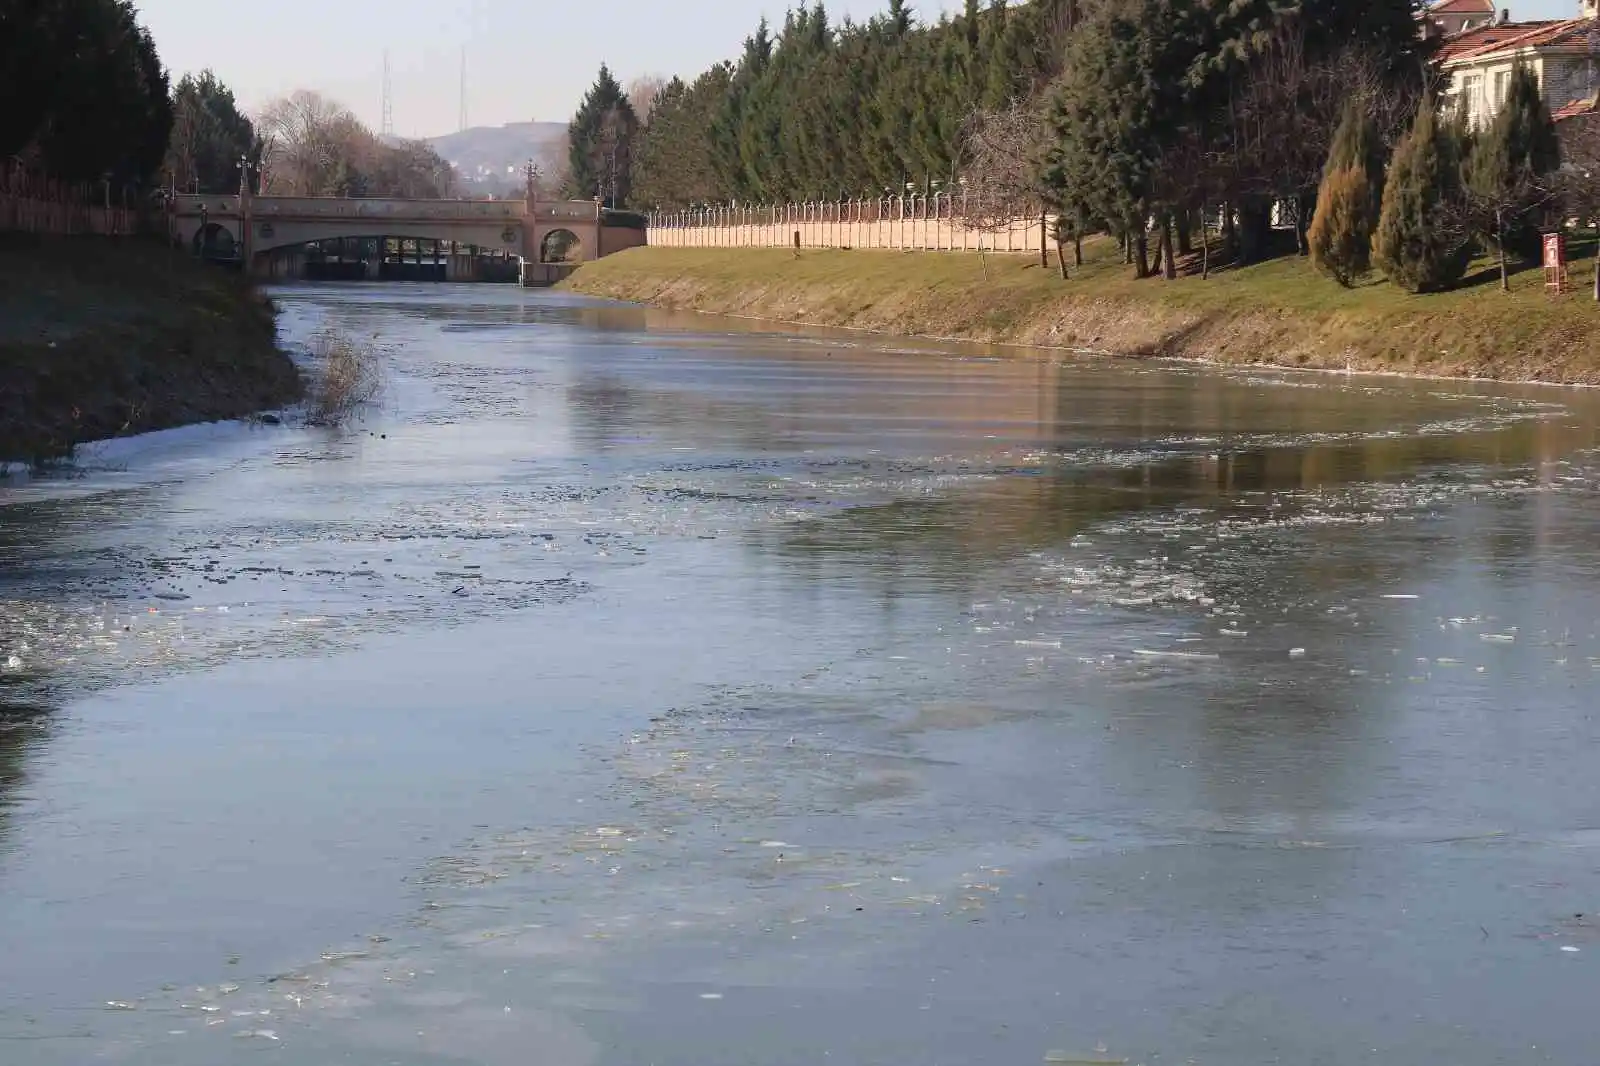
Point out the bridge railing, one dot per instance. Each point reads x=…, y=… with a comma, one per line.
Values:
x=190, y=204
x=444, y=210
x=339, y=207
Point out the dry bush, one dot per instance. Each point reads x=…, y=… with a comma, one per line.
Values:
x=348, y=376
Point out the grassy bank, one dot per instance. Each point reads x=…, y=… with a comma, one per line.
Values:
x=101, y=338
x=1279, y=312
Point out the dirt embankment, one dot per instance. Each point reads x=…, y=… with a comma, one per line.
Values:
x=102, y=338
x=1279, y=313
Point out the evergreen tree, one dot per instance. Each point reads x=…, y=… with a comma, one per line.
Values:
x=91, y=99
x=209, y=136
x=1120, y=106
x=600, y=143
x=1418, y=244
x=899, y=18
x=821, y=109
x=999, y=69
x=1340, y=236
x=1341, y=230
x=1507, y=172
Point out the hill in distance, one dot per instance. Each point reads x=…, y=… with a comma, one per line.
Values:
x=491, y=158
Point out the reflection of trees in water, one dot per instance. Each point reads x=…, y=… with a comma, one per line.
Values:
x=952, y=538
x=24, y=726
x=1257, y=744
x=610, y=413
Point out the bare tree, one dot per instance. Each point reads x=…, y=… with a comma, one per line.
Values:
x=998, y=173
x=642, y=93
x=316, y=147
x=1578, y=180
x=613, y=155
x=302, y=130
x=183, y=146
x=1271, y=137
x=553, y=161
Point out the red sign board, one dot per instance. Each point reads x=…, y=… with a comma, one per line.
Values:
x=1555, y=261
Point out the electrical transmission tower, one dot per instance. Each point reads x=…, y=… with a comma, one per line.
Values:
x=388, y=99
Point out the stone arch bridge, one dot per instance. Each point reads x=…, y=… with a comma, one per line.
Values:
x=260, y=229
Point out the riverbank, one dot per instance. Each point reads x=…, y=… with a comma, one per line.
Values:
x=103, y=338
x=1280, y=312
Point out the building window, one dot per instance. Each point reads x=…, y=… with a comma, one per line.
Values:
x=1502, y=84
x=1472, y=96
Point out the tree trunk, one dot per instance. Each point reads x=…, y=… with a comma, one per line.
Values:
x=1230, y=234
x=1127, y=247
x=1169, y=265
x=1205, y=252
x=1500, y=249
x=1141, y=255
x=1255, y=230
x=1044, y=247
x=1185, y=234
x=1304, y=206
x=1077, y=248
x=1061, y=253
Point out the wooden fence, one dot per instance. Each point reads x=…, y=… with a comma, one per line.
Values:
x=33, y=203
x=934, y=223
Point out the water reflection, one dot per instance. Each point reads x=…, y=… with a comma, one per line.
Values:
x=24, y=728
x=1104, y=693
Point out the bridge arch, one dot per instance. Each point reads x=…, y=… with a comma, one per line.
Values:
x=214, y=240
x=561, y=245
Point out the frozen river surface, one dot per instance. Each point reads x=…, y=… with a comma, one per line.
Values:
x=636, y=689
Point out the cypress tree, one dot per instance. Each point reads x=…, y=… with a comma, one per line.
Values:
x=1341, y=230
x=1340, y=236
x=1417, y=244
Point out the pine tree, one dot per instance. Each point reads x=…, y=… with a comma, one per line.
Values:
x=1418, y=244
x=1340, y=237
x=899, y=18
x=601, y=141
x=1507, y=172
x=1000, y=70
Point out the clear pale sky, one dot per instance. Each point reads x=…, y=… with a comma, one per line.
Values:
x=526, y=59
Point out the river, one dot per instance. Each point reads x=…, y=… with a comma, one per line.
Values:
x=630, y=688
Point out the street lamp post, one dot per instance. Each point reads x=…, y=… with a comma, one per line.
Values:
x=246, y=220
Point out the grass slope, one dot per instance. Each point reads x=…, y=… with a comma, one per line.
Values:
x=1279, y=312
x=100, y=338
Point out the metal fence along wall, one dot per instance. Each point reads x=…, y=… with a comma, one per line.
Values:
x=33, y=203
x=904, y=223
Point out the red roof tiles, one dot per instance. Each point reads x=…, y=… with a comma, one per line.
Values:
x=1575, y=109
x=1513, y=36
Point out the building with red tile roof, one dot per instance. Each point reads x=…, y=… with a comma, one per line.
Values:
x=1450, y=17
x=1561, y=53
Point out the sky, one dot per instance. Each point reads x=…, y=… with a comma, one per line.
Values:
x=527, y=60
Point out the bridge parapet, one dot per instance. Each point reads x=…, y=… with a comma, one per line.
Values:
x=189, y=204
x=571, y=211
x=324, y=207
x=444, y=210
